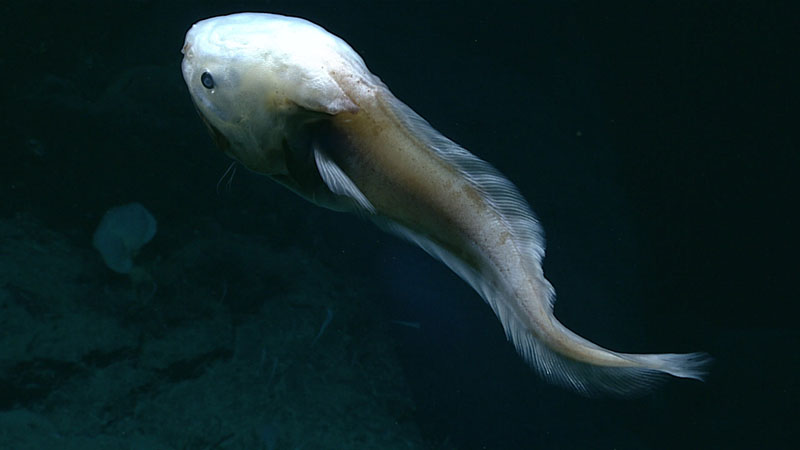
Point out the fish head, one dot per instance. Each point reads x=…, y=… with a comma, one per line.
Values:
x=258, y=80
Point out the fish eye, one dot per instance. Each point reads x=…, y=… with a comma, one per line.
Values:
x=207, y=80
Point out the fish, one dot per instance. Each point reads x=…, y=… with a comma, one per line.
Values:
x=289, y=100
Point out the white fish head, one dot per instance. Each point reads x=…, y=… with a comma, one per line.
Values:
x=257, y=78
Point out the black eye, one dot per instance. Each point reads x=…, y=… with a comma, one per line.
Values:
x=207, y=80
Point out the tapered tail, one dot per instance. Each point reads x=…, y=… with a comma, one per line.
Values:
x=559, y=355
x=594, y=371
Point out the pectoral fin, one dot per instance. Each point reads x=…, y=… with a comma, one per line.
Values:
x=338, y=181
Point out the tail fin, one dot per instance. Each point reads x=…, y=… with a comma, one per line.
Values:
x=596, y=380
x=681, y=365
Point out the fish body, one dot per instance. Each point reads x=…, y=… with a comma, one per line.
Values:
x=290, y=100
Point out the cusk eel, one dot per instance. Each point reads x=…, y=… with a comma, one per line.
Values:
x=289, y=100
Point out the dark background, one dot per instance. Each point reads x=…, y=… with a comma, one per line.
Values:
x=656, y=143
